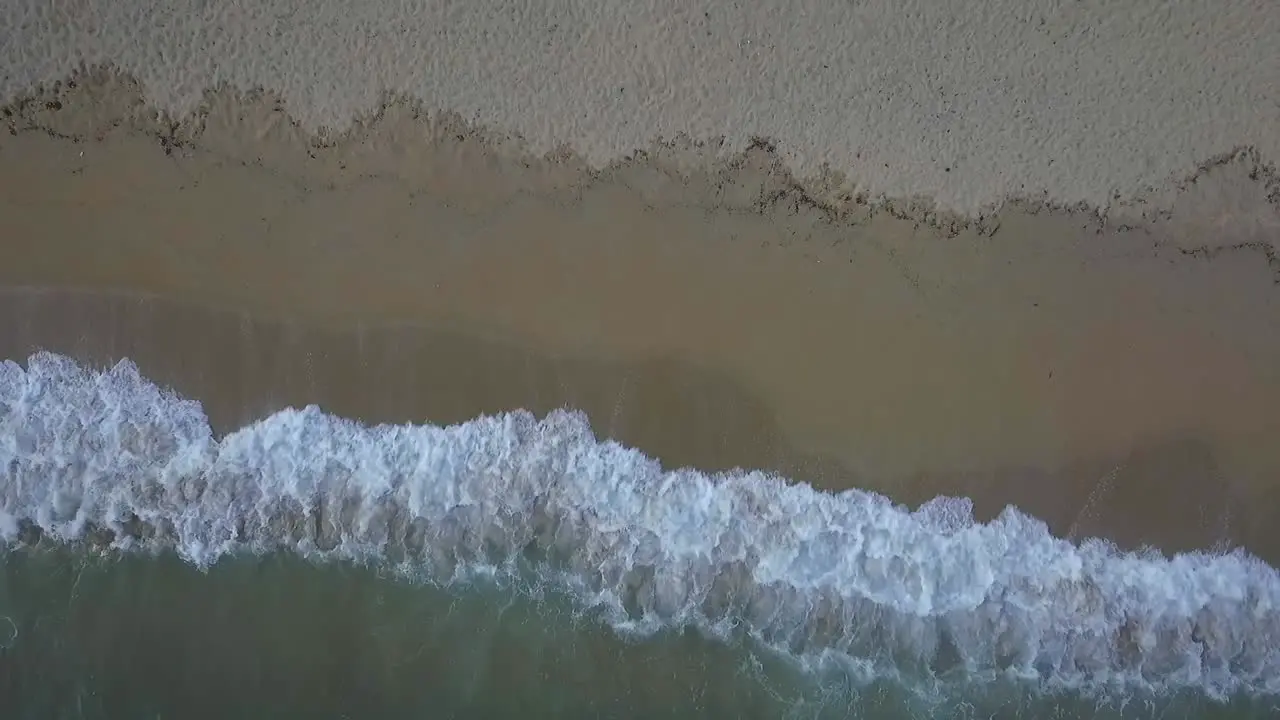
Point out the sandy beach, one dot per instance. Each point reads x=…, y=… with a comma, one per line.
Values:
x=1079, y=369
x=1053, y=285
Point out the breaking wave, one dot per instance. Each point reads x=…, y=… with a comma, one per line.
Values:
x=107, y=457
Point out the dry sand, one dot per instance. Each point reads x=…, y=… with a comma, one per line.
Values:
x=1113, y=367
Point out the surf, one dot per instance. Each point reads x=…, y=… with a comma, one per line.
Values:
x=926, y=598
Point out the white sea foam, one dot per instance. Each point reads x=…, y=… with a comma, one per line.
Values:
x=109, y=456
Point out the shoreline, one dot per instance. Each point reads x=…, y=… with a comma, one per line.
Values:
x=1170, y=496
x=1103, y=379
x=1236, y=189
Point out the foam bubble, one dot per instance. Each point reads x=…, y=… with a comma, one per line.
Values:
x=111, y=458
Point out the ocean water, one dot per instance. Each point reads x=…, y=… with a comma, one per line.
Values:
x=310, y=566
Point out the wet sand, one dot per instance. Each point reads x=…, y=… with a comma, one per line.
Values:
x=1106, y=377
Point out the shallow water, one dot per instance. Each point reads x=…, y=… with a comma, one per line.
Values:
x=129, y=636
x=280, y=637
x=311, y=566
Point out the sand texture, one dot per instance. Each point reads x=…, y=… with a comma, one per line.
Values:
x=965, y=104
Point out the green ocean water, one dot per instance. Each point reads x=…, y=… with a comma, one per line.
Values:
x=278, y=637
x=92, y=635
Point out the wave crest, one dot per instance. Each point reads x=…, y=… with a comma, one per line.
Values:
x=109, y=457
